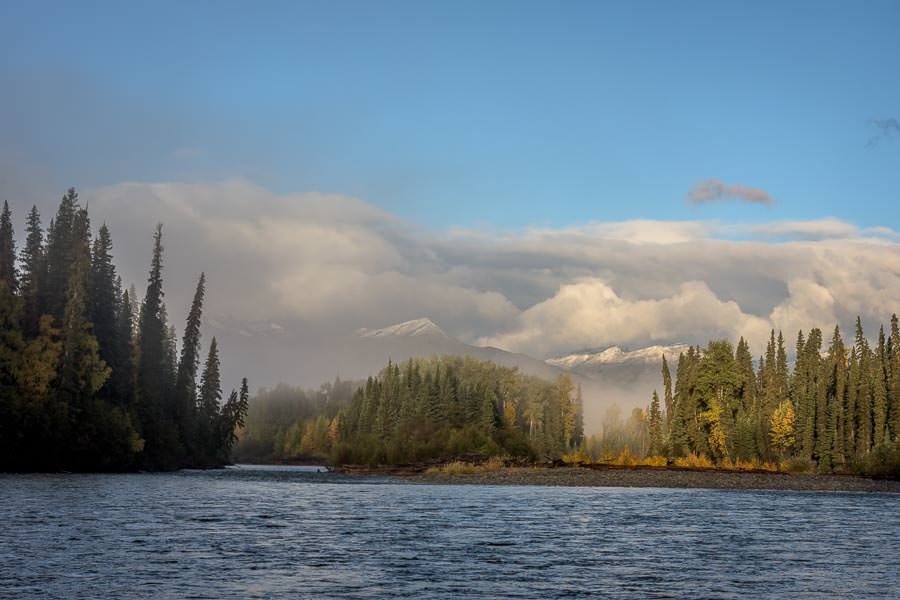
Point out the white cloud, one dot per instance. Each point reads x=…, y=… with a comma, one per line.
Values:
x=321, y=265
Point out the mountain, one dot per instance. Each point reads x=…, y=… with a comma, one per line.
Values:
x=629, y=375
x=412, y=328
x=594, y=359
x=609, y=376
x=372, y=348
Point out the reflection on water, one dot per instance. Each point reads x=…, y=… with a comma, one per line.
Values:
x=265, y=531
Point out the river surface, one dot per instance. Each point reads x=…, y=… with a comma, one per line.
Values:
x=249, y=532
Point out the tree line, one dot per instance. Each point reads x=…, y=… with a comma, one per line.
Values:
x=91, y=379
x=832, y=409
x=437, y=408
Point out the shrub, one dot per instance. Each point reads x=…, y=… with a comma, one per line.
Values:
x=881, y=463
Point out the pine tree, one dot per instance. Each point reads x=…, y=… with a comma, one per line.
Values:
x=894, y=381
x=879, y=392
x=830, y=394
x=61, y=253
x=8, y=273
x=668, y=398
x=208, y=400
x=186, y=380
x=863, y=393
x=33, y=266
x=578, y=430
x=104, y=298
x=123, y=376
x=82, y=371
x=161, y=450
x=655, y=424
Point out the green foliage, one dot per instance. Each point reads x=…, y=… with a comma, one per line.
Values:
x=836, y=411
x=439, y=408
x=84, y=384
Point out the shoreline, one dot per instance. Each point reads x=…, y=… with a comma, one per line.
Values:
x=655, y=478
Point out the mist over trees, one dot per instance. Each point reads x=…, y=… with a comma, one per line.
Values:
x=89, y=376
x=422, y=409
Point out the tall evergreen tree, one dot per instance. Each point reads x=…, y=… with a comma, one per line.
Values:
x=186, y=380
x=161, y=449
x=655, y=424
x=104, y=298
x=62, y=239
x=668, y=398
x=894, y=381
x=879, y=392
x=8, y=273
x=33, y=267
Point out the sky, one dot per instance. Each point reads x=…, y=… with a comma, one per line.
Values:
x=513, y=170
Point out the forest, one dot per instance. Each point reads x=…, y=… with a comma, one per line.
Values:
x=91, y=378
x=837, y=408
x=437, y=408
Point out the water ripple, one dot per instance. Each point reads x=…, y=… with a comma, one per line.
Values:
x=264, y=532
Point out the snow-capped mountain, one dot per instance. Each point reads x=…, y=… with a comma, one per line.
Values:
x=416, y=327
x=614, y=355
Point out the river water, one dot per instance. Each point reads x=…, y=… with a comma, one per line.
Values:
x=251, y=532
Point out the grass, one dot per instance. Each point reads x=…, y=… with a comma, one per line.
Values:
x=466, y=468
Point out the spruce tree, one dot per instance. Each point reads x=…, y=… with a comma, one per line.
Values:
x=8, y=273
x=209, y=398
x=578, y=430
x=655, y=425
x=879, y=392
x=894, y=381
x=161, y=448
x=104, y=298
x=33, y=267
x=668, y=398
x=62, y=240
x=863, y=383
x=186, y=380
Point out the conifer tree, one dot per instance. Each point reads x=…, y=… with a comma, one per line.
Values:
x=894, y=381
x=655, y=425
x=862, y=381
x=879, y=392
x=578, y=430
x=33, y=266
x=161, y=449
x=124, y=376
x=104, y=298
x=62, y=240
x=186, y=380
x=668, y=398
x=210, y=383
x=8, y=273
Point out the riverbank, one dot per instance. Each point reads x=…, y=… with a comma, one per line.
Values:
x=656, y=478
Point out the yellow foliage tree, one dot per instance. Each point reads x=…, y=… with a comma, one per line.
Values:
x=782, y=426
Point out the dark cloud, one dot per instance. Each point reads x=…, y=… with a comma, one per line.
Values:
x=887, y=129
x=716, y=190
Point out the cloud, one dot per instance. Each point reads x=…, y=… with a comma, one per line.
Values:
x=289, y=272
x=716, y=190
x=888, y=128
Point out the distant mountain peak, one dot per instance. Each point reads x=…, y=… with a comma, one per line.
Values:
x=414, y=328
x=614, y=355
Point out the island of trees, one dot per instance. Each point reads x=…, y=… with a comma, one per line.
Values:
x=433, y=409
x=837, y=410
x=91, y=378
x=834, y=410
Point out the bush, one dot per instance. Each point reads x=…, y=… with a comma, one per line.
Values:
x=881, y=463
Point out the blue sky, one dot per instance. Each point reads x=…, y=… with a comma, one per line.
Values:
x=494, y=114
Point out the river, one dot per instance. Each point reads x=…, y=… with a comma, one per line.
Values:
x=254, y=532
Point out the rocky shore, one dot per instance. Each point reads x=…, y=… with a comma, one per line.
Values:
x=659, y=478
